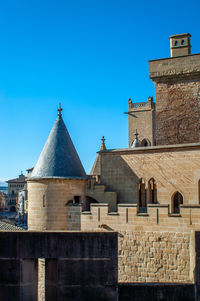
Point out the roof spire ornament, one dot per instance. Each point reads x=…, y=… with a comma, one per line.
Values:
x=136, y=141
x=59, y=110
x=103, y=146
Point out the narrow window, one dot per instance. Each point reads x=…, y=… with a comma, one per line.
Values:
x=177, y=200
x=199, y=191
x=76, y=199
x=44, y=200
x=152, y=191
x=142, y=206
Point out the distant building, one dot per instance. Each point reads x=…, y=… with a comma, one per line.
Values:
x=14, y=186
x=21, y=208
x=3, y=199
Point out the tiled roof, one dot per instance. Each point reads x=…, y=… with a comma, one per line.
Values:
x=6, y=227
x=17, y=180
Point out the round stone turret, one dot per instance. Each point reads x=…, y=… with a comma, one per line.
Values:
x=58, y=179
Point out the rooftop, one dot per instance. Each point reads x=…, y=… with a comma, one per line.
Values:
x=58, y=158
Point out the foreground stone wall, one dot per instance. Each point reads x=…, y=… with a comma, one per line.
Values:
x=154, y=257
x=152, y=247
x=75, y=265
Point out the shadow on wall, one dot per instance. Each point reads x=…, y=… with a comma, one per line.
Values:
x=118, y=176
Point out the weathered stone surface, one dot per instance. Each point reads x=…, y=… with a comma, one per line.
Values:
x=73, y=260
x=177, y=89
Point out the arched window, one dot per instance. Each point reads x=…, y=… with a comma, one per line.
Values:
x=152, y=191
x=145, y=142
x=177, y=200
x=142, y=205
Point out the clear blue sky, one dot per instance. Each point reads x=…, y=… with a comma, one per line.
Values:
x=90, y=55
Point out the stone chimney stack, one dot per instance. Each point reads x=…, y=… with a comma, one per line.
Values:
x=180, y=44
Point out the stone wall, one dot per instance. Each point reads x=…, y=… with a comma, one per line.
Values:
x=74, y=217
x=41, y=279
x=177, y=112
x=47, y=202
x=75, y=265
x=141, y=117
x=152, y=247
x=174, y=168
x=154, y=257
x=177, y=89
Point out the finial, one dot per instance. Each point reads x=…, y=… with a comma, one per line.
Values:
x=136, y=134
x=59, y=110
x=136, y=142
x=103, y=146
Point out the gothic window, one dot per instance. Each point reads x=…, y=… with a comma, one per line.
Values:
x=152, y=191
x=142, y=205
x=145, y=142
x=177, y=200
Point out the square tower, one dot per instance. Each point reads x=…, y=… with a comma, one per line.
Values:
x=177, y=90
x=141, y=117
x=180, y=44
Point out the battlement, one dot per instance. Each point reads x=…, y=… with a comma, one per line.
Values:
x=140, y=106
x=157, y=218
x=152, y=247
x=141, y=117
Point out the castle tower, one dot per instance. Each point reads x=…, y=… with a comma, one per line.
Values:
x=141, y=117
x=177, y=90
x=57, y=179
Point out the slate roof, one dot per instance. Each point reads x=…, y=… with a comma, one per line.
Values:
x=58, y=158
x=8, y=227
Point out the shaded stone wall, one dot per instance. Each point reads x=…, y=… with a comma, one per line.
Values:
x=157, y=292
x=75, y=265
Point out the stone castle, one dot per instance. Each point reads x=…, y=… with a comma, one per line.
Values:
x=149, y=193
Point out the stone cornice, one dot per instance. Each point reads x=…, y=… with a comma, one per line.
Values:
x=171, y=68
x=153, y=149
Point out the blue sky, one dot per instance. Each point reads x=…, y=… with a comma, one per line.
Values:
x=90, y=55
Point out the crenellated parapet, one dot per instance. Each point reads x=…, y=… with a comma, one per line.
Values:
x=127, y=217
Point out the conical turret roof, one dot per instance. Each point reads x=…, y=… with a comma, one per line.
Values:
x=58, y=158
